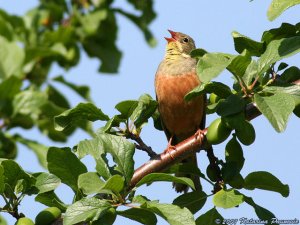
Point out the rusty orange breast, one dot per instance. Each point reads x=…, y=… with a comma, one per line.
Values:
x=181, y=118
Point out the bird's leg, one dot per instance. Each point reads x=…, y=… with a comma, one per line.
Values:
x=170, y=148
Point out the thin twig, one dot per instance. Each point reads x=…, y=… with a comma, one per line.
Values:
x=140, y=144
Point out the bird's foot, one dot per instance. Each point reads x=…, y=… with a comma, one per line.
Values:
x=170, y=148
x=199, y=134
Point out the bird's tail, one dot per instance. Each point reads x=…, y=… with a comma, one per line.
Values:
x=182, y=187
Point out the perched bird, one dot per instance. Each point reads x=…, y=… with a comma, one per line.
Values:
x=175, y=77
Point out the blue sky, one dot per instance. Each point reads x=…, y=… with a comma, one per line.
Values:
x=210, y=23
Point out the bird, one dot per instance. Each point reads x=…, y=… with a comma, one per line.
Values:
x=175, y=77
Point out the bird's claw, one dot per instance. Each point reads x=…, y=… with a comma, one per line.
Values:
x=170, y=148
x=199, y=134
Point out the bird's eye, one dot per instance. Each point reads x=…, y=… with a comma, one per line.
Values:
x=186, y=40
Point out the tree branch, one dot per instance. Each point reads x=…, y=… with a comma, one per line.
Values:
x=183, y=150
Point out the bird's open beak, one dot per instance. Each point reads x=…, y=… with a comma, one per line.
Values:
x=173, y=38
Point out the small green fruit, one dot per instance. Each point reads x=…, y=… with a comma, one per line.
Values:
x=47, y=216
x=24, y=221
x=217, y=132
x=246, y=135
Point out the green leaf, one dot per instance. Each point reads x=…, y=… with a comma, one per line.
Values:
x=173, y=214
x=287, y=89
x=126, y=108
x=121, y=149
x=277, y=50
x=231, y=105
x=2, y=179
x=39, y=149
x=65, y=165
x=82, y=112
x=91, y=21
x=284, y=31
x=13, y=174
x=279, y=6
x=102, y=45
x=211, y=217
x=82, y=90
x=115, y=184
x=95, y=148
x=86, y=209
x=290, y=74
x=144, y=110
x=242, y=42
x=266, y=181
x=251, y=72
x=46, y=182
x=276, y=108
x=11, y=58
x=56, y=97
x=261, y=212
x=240, y=63
x=50, y=199
x=153, y=177
x=227, y=198
x=140, y=215
x=2, y=221
x=218, y=88
x=212, y=64
x=29, y=103
x=194, y=201
x=198, y=53
x=90, y=183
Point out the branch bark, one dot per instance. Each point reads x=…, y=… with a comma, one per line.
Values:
x=183, y=150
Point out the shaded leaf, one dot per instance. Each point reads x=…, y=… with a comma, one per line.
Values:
x=211, y=217
x=290, y=74
x=140, y=215
x=153, y=177
x=266, y=181
x=50, y=199
x=65, y=165
x=261, y=212
x=14, y=174
x=217, y=88
x=194, y=201
x=231, y=105
x=242, y=42
x=276, y=109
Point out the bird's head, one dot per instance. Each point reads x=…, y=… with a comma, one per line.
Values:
x=179, y=44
